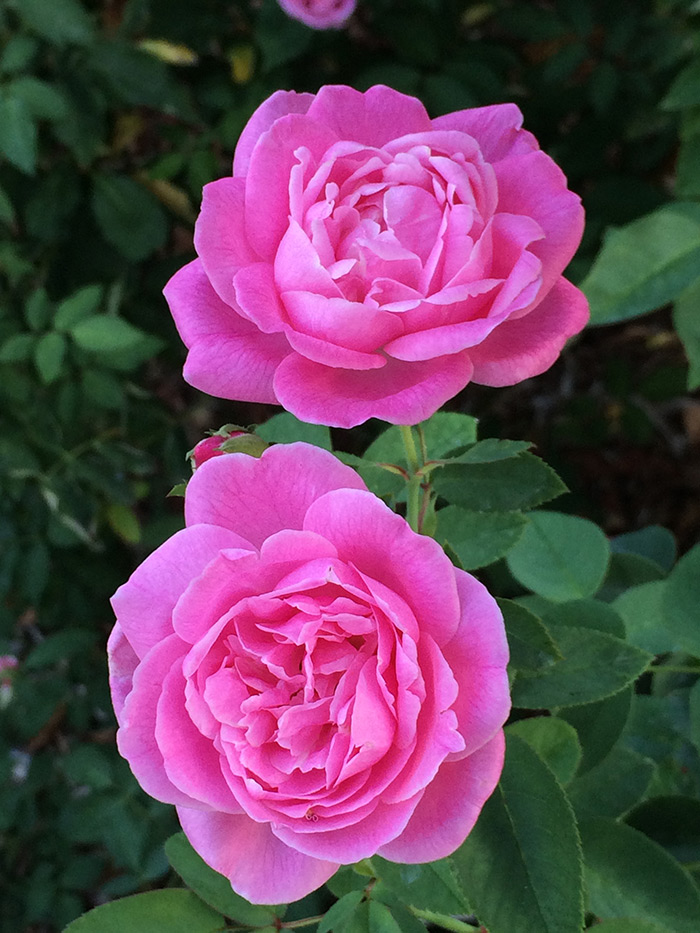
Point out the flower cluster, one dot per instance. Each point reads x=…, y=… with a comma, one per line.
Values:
x=305, y=677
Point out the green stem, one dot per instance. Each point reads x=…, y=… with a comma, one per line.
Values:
x=298, y=924
x=442, y=920
x=413, y=496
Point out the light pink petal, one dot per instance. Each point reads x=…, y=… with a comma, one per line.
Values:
x=400, y=393
x=349, y=324
x=136, y=735
x=258, y=298
x=546, y=199
x=330, y=354
x=497, y=129
x=123, y=661
x=191, y=761
x=277, y=105
x=478, y=655
x=528, y=346
x=267, y=205
x=414, y=216
x=260, y=867
x=219, y=235
x=229, y=357
x=380, y=543
x=449, y=807
x=358, y=840
x=372, y=118
x=260, y=496
x=144, y=604
x=298, y=266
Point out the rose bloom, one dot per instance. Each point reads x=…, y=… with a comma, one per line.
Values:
x=366, y=261
x=320, y=14
x=306, y=678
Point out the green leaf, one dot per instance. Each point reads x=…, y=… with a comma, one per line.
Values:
x=76, y=307
x=479, y=538
x=433, y=886
x=584, y=613
x=614, y=786
x=686, y=321
x=7, y=211
x=626, y=570
x=626, y=925
x=628, y=875
x=174, y=910
x=18, y=134
x=531, y=646
x=520, y=482
x=49, y=354
x=694, y=699
x=134, y=76
x=281, y=38
x=681, y=599
x=447, y=430
x=381, y=919
x=653, y=542
x=599, y=725
x=673, y=822
x=645, y=264
x=60, y=646
x=212, y=887
x=341, y=911
x=554, y=740
x=685, y=90
x=58, y=21
x=522, y=862
x=491, y=449
x=17, y=348
x=103, y=333
x=286, y=429
x=128, y=216
x=124, y=522
x=594, y=665
x=641, y=608
x=43, y=100
x=560, y=557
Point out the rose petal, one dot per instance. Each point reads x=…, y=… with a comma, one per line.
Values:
x=144, y=604
x=229, y=357
x=123, y=661
x=528, y=346
x=381, y=544
x=400, y=393
x=450, y=806
x=373, y=118
x=496, y=128
x=277, y=105
x=259, y=866
x=257, y=497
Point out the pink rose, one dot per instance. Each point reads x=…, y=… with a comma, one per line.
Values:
x=366, y=261
x=320, y=14
x=306, y=678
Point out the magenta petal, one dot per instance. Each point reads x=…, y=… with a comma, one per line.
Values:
x=258, y=497
x=449, y=807
x=330, y=354
x=219, y=235
x=349, y=324
x=497, y=129
x=144, y=604
x=357, y=841
x=478, y=655
x=381, y=544
x=191, y=761
x=297, y=546
x=528, y=346
x=258, y=298
x=136, y=736
x=123, y=661
x=400, y=393
x=229, y=357
x=277, y=105
x=546, y=199
x=373, y=118
x=278, y=150
x=260, y=867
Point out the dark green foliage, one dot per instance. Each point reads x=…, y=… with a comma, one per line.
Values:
x=105, y=143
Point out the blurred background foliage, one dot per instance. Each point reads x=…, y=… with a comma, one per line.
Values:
x=113, y=114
